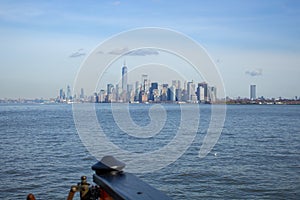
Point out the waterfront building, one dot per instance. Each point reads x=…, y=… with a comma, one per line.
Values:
x=81, y=96
x=124, y=77
x=101, y=96
x=130, y=93
x=154, y=86
x=62, y=94
x=96, y=98
x=212, y=94
x=145, y=83
x=164, y=92
x=178, y=94
x=252, y=92
x=117, y=93
x=202, y=92
x=123, y=97
x=110, y=93
x=156, y=95
x=191, y=95
x=172, y=93
x=69, y=94
x=143, y=97
x=137, y=91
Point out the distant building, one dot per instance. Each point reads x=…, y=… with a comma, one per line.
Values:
x=117, y=93
x=145, y=83
x=124, y=78
x=81, y=94
x=178, y=94
x=130, y=93
x=252, y=92
x=69, y=94
x=154, y=87
x=123, y=97
x=110, y=93
x=164, y=92
x=172, y=93
x=176, y=84
x=137, y=91
x=101, y=98
x=202, y=92
x=62, y=94
x=212, y=94
x=191, y=92
x=143, y=97
x=96, y=98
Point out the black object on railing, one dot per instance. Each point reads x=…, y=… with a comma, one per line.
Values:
x=121, y=185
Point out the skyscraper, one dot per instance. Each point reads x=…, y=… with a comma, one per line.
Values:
x=117, y=93
x=62, y=94
x=191, y=91
x=110, y=93
x=69, y=95
x=154, y=86
x=252, y=92
x=145, y=83
x=203, y=95
x=164, y=92
x=123, y=97
x=213, y=94
x=137, y=91
x=81, y=93
x=124, y=78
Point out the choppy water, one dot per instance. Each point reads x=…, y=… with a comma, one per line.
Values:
x=256, y=157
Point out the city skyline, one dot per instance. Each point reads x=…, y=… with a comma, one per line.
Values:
x=147, y=91
x=44, y=43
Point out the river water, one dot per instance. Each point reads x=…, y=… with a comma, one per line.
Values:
x=256, y=157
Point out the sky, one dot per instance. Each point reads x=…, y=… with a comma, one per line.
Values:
x=44, y=43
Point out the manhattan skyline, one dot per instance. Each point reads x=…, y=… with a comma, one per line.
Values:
x=252, y=43
x=144, y=91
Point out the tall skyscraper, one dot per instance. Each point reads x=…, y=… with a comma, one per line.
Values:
x=117, y=93
x=110, y=93
x=252, y=92
x=213, y=94
x=154, y=86
x=130, y=93
x=101, y=96
x=172, y=93
x=145, y=83
x=62, y=94
x=164, y=92
x=124, y=78
x=123, y=97
x=69, y=94
x=202, y=92
x=137, y=91
x=81, y=93
x=191, y=91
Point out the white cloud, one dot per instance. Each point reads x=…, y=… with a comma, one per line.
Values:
x=255, y=72
x=78, y=53
x=118, y=51
x=143, y=52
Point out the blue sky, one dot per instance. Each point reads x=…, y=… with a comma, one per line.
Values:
x=38, y=39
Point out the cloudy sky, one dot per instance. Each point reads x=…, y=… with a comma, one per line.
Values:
x=43, y=43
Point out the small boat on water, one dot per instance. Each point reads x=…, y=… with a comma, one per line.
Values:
x=112, y=183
